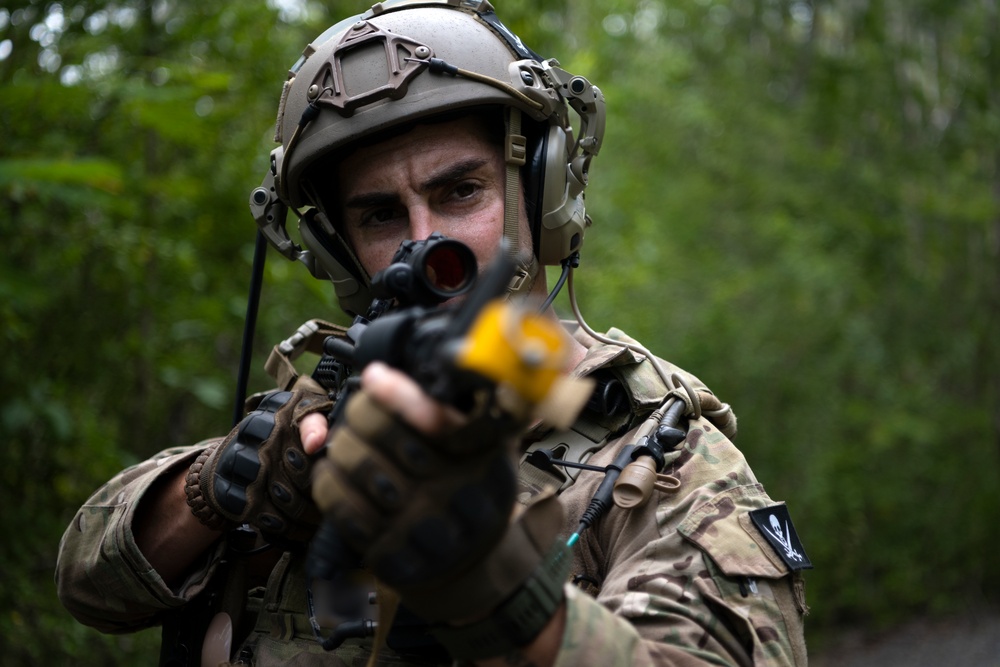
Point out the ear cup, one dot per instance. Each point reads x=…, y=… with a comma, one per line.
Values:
x=561, y=216
x=533, y=178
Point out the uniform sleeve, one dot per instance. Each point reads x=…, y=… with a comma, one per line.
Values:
x=101, y=576
x=683, y=581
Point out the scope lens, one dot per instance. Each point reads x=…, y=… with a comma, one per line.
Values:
x=449, y=268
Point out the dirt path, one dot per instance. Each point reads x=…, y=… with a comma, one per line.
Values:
x=963, y=642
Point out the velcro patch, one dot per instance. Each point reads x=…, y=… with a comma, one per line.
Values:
x=775, y=524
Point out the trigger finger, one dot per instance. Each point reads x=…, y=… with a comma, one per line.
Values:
x=312, y=432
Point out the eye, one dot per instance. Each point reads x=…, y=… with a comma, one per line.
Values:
x=465, y=191
x=379, y=216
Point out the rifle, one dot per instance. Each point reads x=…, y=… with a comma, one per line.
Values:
x=475, y=352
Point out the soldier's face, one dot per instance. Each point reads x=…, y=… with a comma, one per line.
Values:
x=443, y=177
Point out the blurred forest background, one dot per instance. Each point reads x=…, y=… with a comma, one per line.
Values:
x=798, y=201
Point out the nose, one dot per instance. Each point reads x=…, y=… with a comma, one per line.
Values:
x=423, y=222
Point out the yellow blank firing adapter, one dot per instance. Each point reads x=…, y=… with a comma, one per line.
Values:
x=517, y=347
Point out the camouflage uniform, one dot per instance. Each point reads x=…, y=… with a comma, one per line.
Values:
x=684, y=580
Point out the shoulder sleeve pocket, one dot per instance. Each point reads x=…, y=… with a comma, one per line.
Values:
x=722, y=528
x=751, y=588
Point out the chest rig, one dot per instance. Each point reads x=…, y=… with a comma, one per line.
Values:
x=607, y=414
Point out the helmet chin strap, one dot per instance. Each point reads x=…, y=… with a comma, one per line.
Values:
x=523, y=280
x=515, y=151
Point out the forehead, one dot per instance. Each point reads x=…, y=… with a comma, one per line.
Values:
x=417, y=158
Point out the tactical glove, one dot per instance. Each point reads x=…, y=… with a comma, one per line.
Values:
x=259, y=473
x=433, y=517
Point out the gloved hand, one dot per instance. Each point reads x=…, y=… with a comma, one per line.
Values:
x=259, y=474
x=433, y=515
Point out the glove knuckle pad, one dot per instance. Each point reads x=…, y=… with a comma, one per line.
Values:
x=296, y=466
x=371, y=426
x=379, y=484
x=273, y=401
x=260, y=475
x=281, y=494
x=368, y=470
x=239, y=464
x=367, y=418
x=413, y=455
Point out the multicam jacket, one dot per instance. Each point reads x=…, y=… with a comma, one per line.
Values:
x=686, y=579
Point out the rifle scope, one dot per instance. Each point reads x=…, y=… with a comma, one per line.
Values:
x=427, y=273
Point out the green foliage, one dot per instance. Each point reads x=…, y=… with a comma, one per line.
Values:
x=797, y=201
x=127, y=253
x=822, y=194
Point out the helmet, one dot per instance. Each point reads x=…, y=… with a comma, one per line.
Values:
x=404, y=61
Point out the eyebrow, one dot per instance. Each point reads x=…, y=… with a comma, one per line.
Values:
x=453, y=172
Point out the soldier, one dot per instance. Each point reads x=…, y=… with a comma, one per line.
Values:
x=413, y=118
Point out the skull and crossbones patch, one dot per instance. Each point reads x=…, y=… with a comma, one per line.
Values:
x=775, y=524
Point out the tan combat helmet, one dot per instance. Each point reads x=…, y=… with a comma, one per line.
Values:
x=403, y=61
